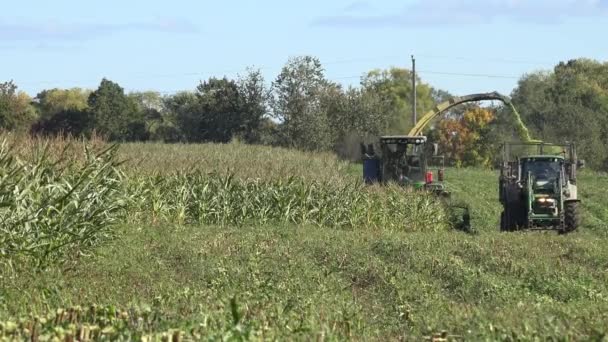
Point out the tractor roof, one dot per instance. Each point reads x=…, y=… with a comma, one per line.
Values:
x=543, y=157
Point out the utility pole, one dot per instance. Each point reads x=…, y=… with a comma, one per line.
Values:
x=414, y=90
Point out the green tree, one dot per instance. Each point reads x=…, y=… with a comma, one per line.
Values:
x=254, y=96
x=569, y=104
x=151, y=107
x=62, y=111
x=53, y=101
x=149, y=103
x=534, y=102
x=268, y=133
x=220, y=110
x=66, y=122
x=183, y=122
x=395, y=87
x=296, y=103
x=115, y=115
x=355, y=115
x=16, y=110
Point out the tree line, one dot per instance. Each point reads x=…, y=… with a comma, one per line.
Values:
x=303, y=109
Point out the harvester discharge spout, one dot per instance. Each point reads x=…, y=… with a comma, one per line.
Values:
x=408, y=161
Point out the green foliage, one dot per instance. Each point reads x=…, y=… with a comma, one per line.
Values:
x=7, y=96
x=67, y=122
x=296, y=104
x=180, y=109
x=16, y=110
x=302, y=282
x=316, y=114
x=569, y=104
x=357, y=115
x=63, y=111
x=52, y=209
x=151, y=106
x=53, y=101
x=149, y=102
x=53, y=206
x=245, y=161
x=395, y=87
x=197, y=198
x=267, y=133
x=303, y=109
x=220, y=108
x=115, y=116
x=254, y=96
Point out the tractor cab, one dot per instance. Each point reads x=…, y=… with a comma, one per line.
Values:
x=543, y=172
x=542, y=168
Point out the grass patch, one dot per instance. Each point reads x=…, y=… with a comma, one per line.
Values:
x=304, y=281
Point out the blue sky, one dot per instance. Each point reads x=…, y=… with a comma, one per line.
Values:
x=461, y=46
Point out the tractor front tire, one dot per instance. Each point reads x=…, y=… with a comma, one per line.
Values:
x=572, y=217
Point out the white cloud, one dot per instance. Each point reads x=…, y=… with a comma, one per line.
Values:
x=460, y=12
x=358, y=6
x=53, y=32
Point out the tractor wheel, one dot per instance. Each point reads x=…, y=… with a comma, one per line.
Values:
x=572, y=217
x=507, y=224
x=503, y=222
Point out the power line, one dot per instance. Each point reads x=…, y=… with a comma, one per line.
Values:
x=492, y=60
x=335, y=62
x=338, y=78
x=466, y=74
x=447, y=73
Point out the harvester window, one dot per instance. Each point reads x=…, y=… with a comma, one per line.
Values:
x=413, y=161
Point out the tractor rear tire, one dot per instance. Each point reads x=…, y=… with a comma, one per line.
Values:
x=572, y=217
x=503, y=222
x=512, y=218
x=507, y=223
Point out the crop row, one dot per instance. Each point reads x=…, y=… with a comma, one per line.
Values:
x=201, y=198
x=55, y=208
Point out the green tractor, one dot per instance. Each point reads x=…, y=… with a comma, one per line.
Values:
x=411, y=162
x=537, y=187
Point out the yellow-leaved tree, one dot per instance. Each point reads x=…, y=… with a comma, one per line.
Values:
x=462, y=139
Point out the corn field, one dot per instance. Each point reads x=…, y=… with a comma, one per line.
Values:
x=53, y=209
x=153, y=242
x=60, y=199
x=199, y=198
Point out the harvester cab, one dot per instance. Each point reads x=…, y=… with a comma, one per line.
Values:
x=537, y=187
x=404, y=160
